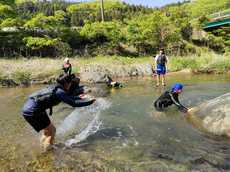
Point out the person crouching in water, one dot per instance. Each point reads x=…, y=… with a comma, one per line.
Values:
x=169, y=98
x=111, y=83
x=67, y=67
x=161, y=61
x=34, y=109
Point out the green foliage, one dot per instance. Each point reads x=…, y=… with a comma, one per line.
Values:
x=180, y=63
x=21, y=77
x=46, y=22
x=206, y=62
x=55, y=28
x=11, y=22
x=8, y=2
x=155, y=30
x=38, y=42
x=216, y=43
x=206, y=7
x=63, y=49
x=109, y=31
x=5, y=11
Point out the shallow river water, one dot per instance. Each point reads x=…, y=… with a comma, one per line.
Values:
x=121, y=132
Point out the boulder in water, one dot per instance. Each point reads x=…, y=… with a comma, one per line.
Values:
x=214, y=115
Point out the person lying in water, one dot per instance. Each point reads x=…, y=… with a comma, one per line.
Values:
x=111, y=83
x=34, y=109
x=169, y=98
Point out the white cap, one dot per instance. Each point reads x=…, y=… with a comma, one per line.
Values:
x=66, y=60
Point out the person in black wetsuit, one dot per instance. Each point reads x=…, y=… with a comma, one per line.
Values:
x=169, y=98
x=34, y=109
x=111, y=83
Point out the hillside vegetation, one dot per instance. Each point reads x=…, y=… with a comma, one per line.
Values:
x=58, y=28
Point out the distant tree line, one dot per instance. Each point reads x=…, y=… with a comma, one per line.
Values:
x=58, y=28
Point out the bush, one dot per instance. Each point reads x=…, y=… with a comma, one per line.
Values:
x=180, y=63
x=21, y=77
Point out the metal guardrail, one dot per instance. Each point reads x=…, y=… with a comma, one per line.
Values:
x=217, y=23
x=220, y=15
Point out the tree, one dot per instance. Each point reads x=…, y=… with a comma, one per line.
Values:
x=103, y=32
x=5, y=11
x=206, y=7
x=11, y=22
x=152, y=31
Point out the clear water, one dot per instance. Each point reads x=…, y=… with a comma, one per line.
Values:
x=132, y=135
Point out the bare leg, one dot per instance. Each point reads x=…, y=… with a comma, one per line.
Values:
x=48, y=136
x=158, y=80
x=163, y=80
x=53, y=135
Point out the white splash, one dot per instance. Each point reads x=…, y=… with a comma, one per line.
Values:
x=82, y=122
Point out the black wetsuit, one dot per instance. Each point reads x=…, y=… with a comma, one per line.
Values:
x=167, y=99
x=109, y=83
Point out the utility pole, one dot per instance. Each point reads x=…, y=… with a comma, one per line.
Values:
x=102, y=11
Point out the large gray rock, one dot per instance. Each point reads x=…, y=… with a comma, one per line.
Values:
x=96, y=73
x=214, y=115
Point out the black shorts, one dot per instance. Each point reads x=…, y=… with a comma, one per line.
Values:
x=38, y=121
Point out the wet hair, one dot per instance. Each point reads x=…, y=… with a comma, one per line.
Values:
x=66, y=60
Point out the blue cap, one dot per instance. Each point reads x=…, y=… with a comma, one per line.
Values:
x=176, y=87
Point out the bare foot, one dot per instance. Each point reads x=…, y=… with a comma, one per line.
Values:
x=46, y=144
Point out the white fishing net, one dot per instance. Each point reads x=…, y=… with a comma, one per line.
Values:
x=215, y=115
x=82, y=122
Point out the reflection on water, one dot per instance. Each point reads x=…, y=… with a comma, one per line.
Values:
x=132, y=136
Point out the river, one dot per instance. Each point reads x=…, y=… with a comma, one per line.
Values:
x=122, y=132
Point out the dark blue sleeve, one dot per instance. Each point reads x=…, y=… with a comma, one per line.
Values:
x=63, y=96
x=71, y=100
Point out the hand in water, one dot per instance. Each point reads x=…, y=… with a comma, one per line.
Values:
x=189, y=110
x=82, y=96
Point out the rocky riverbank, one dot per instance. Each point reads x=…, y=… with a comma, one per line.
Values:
x=96, y=73
x=94, y=69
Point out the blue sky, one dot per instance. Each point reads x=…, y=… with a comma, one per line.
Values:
x=150, y=3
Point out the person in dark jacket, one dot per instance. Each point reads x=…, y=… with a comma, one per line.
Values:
x=169, y=98
x=34, y=109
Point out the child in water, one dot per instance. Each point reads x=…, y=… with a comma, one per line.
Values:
x=169, y=98
x=111, y=83
x=34, y=109
x=67, y=67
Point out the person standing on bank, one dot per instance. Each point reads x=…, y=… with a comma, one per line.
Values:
x=67, y=67
x=34, y=109
x=161, y=61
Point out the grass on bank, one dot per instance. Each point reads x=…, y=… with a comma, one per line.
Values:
x=25, y=70
x=205, y=63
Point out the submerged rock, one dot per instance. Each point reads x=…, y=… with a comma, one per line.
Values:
x=214, y=115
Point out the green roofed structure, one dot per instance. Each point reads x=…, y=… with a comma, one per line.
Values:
x=218, y=20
